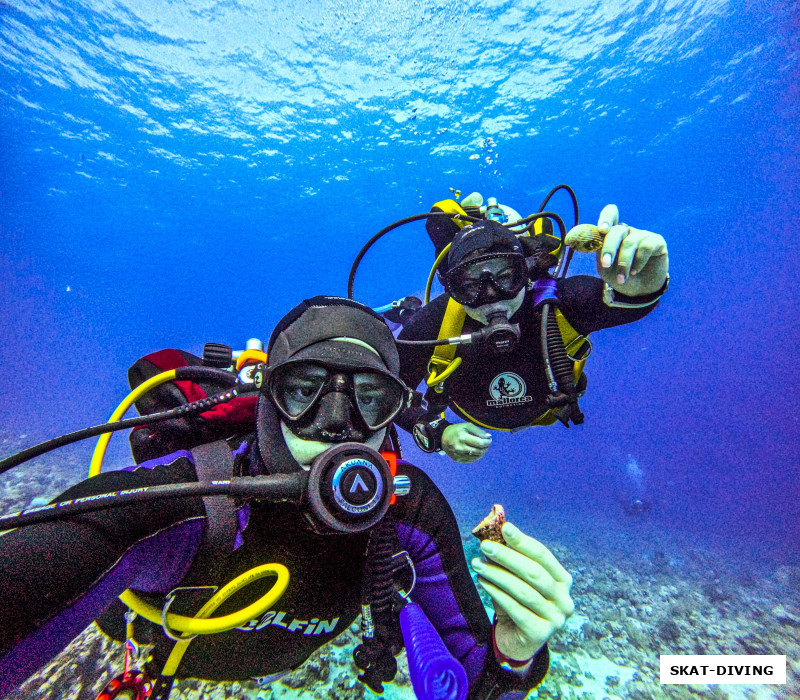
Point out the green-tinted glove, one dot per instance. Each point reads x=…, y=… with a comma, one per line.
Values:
x=634, y=262
x=464, y=442
x=530, y=590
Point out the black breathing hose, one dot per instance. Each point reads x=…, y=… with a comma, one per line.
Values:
x=194, y=407
x=384, y=231
x=558, y=365
x=273, y=487
x=571, y=194
x=568, y=257
x=382, y=569
x=559, y=362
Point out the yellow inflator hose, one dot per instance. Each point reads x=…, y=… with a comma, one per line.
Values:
x=102, y=443
x=435, y=267
x=200, y=623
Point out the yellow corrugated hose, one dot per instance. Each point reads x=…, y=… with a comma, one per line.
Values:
x=100, y=450
x=200, y=623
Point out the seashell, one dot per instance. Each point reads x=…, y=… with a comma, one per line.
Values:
x=585, y=238
x=491, y=527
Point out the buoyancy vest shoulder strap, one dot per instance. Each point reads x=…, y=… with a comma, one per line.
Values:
x=444, y=355
x=211, y=462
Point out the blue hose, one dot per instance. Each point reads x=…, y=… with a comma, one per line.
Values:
x=435, y=673
x=383, y=309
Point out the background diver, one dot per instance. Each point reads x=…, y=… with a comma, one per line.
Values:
x=500, y=284
x=331, y=383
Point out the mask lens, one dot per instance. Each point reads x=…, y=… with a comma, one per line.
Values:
x=296, y=387
x=378, y=396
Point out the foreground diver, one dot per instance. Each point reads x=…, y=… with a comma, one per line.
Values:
x=331, y=383
x=499, y=289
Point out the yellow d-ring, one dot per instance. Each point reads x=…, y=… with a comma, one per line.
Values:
x=438, y=378
x=225, y=623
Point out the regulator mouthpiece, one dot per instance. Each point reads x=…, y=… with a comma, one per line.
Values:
x=500, y=335
x=349, y=489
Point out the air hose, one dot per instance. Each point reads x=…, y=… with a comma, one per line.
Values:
x=383, y=232
x=192, y=373
x=258, y=608
x=201, y=623
x=382, y=569
x=574, y=199
x=94, y=431
x=561, y=366
x=374, y=655
x=563, y=400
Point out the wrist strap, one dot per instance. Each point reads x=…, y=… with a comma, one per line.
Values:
x=505, y=663
x=428, y=432
x=616, y=299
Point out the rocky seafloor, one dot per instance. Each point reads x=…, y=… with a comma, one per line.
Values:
x=634, y=601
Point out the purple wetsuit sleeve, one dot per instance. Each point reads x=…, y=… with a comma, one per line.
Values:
x=444, y=589
x=57, y=577
x=153, y=564
x=435, y=595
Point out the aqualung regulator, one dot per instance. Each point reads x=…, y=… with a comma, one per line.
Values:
x=326, y=492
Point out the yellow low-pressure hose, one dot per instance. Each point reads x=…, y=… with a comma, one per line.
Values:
x=251, y=612
x=102, y=444
x=200, y=623
x=215, y=625
x=435, y=267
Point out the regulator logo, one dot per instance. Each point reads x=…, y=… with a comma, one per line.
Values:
x=508, y=389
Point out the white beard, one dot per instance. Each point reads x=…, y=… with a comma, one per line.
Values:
x=510, y=307
x=306, y=451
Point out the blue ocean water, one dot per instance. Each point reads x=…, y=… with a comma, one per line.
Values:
x=173, y=173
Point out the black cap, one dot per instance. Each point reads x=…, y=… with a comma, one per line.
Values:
x=307, y=333
x=301, y=335
x=486, y=236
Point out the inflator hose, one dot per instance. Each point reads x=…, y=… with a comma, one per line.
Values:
x=435, y=673
x=191, y=373
x=197, y=406
x=560, y=363
x=381, y=569
x=407, y=220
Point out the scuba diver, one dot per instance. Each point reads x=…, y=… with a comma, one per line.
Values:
x=505, y=346
x=636, y=507
x=346, y=530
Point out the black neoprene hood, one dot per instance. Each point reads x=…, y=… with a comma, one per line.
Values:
x=488, y=236
x=323, y=318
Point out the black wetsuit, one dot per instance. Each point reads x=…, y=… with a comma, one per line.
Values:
x=55, y=578
x=507, y=391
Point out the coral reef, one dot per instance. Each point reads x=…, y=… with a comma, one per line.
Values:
x=635, y=599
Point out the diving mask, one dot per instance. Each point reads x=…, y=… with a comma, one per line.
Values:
x=297, y=387
x=487, y=279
